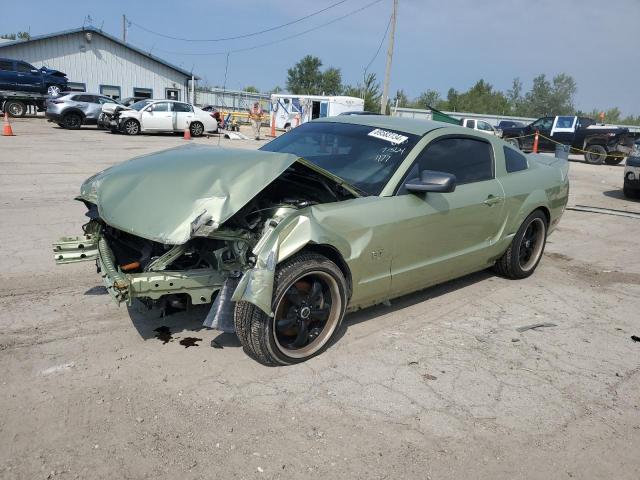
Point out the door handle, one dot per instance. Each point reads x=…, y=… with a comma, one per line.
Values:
x=492, y=200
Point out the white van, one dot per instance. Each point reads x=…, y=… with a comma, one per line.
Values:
x=289, y=111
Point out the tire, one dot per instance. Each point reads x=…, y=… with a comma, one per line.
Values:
x=15, y=108
x=307, y=285
x=72, y=121
x=526, y=249
x=630, y=192
x=287, y=127
x=53, y=90
x=513, y=141
x=197, y=129
x=613, y=160
x=595, y=154
x=131, y=127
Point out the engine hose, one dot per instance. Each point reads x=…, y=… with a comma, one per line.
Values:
x=107, y=262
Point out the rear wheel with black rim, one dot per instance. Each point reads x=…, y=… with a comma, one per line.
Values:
x=309, y=302
x=15, y=108
x=72, y=121
x=595, y=154
x=523, y=255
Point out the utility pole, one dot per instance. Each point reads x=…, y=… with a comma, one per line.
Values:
x=124, y=28
x=387, y=72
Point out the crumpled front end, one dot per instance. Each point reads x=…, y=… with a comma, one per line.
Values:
x=180, y=226
x=135, y=268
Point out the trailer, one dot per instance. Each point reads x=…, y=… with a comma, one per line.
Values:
x=16, y=104
x=289, y=111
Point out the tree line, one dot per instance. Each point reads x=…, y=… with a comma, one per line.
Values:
x=547, y=96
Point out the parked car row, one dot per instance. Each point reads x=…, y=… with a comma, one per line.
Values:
x=72, y=110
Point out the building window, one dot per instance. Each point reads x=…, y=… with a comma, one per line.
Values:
x=110, y=91
x=140, y=93
x=172, y=94
x=76, y=87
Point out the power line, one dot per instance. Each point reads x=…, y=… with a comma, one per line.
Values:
x=353, y=12
x=379, y=47
x=237, y=37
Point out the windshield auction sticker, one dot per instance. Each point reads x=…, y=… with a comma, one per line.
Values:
x=392, y=137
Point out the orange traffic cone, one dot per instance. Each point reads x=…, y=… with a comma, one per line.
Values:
x=535, y=142
x=7, y=131
x=187, y=133
x=273, y=125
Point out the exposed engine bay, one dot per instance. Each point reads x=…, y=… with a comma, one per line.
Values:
x=225, y=249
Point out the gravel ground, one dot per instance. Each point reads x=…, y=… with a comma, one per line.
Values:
x=439, y=385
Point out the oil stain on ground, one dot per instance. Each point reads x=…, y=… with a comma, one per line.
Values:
x=164, y=334
x=190, y=342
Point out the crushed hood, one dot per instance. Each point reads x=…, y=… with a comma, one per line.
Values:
x=164, y=196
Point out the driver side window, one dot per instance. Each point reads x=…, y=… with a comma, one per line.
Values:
x=543, y=124
x=469, y=159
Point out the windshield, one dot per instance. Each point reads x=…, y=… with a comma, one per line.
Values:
x=364, y=156
x=140, y=105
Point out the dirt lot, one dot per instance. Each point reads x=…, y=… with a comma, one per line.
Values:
x=438, y=385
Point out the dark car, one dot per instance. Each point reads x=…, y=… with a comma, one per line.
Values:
x=73, y=109
x=631, y=185
x=509, y=124
x=19, y=76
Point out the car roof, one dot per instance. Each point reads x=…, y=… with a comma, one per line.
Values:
x=402, y=124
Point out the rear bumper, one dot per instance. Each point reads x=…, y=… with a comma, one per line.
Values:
x=200, y=284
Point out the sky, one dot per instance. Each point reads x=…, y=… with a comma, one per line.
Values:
x=439, y=43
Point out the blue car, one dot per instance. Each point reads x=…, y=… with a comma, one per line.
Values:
x=19, y=76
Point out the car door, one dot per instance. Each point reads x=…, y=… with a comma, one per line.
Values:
x=29, y=78
x=158, y=116
x=8, y=75
x=440, y=236
x=564, y=129
x=182, y=116
x=543, y=126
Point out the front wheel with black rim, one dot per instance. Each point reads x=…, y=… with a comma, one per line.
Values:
x=131, y=127
x=595, y=154
x=523, y=255
x=197, y=129
x=309, y=301
x=72, y=121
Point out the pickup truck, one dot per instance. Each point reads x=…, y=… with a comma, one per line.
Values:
x=599, y=143
x=479, y=125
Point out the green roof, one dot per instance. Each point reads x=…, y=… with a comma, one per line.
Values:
x=402, y=124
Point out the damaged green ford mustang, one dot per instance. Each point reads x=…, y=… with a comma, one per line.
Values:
x=336, y=215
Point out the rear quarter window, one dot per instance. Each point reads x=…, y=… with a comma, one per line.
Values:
x=514, y=161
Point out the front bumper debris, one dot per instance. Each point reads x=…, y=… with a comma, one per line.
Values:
x=76, y=249
x=199, y=284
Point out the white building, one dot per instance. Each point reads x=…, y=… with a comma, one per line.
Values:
x=97, y=62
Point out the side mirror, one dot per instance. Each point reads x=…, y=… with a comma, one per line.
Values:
x=432, y=181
